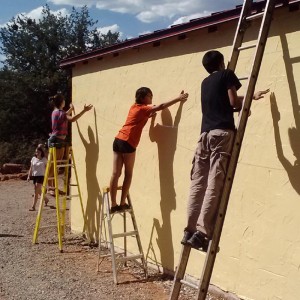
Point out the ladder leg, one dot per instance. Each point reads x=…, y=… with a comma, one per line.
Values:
x=180, y=271
x=138, y=239
x=125, y=237
x=111, y=241
x=101, y=228
x=44, y=191
x=80, y=198
x=57, y=202
x=65, y=190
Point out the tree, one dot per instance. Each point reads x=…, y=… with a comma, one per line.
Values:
x=31, y=73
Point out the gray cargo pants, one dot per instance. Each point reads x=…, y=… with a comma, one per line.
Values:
x=207, y=179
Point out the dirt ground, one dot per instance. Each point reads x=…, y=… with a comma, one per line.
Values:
x=40, y=271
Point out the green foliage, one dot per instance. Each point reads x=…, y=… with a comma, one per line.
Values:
x=31, y=73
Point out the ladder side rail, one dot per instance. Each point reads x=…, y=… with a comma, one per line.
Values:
x=239, y=35
x=260, y=48
x=210, y=258
x=125, y=236
x=100, y=237
x=57, y=200
x=65, y=190
x=180, y=271
x=111, y=240
x=44, y=191
x=138, y=238
x=80, y=199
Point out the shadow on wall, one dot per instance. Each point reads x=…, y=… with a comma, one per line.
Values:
x=292, y=169
x=94, y=199
x=165, y=135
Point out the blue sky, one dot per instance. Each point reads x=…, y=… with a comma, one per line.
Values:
x=129, y=17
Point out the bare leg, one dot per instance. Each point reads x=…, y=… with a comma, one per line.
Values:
x=35, y=196
x=129, y=159
x=117, y=169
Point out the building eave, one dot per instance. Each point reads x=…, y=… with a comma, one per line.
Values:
x=175, y=30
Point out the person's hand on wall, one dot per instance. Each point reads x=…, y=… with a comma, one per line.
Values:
x=87, y=107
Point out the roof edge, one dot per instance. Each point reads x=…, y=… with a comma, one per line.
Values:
x=175, y=30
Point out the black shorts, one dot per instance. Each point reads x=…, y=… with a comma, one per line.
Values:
x=122, y=146
x=38, y=179
x=54, y=141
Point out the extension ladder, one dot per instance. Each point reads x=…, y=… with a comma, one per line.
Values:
x=246, y=16
x=121, y=257
x=60, y=197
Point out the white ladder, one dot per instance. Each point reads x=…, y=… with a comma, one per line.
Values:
x=118, y=258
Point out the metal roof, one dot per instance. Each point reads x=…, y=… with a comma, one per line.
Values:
x=176, y=30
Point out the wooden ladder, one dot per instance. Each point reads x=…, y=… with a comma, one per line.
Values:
x=246, y=16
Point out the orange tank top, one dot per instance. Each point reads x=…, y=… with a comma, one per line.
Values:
x=136, y=120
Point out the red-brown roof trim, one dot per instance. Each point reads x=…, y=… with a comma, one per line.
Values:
x=176, y=30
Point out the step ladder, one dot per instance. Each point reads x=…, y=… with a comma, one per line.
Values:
x=118, y=258
x=61, y=197
x=248, y=13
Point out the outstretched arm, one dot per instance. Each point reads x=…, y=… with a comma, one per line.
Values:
x=260, y=94
x=237, y=101
x=181, y=98
x=76, y=117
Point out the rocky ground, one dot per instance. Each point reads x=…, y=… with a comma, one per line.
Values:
x=40, y=271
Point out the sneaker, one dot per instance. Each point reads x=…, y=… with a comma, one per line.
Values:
x=198, y=241
x=124, y=207
x=114, y=209
x=186, y=236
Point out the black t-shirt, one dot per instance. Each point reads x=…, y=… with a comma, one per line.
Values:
x=216, y=109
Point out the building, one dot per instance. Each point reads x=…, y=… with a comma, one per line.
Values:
x=260, y=244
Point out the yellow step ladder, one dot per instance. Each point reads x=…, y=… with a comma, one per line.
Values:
x=118, y=258
x=249, y=12
x=61, y=197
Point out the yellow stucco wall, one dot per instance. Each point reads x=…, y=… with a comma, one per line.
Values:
x=260, y=244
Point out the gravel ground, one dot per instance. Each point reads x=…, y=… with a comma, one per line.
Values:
x=40, y=271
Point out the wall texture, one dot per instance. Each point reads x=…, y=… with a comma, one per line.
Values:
x=260, y=244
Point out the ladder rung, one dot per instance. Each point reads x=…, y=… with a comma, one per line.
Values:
x=73, y=184
x=106, y=189
x=117, y=235
x=243, y=78
x=105, y=255
x=255, y=16
x=72, y=196
x=62, y=161
x=48, y=226
x=63, y=166
x=131, y=257
x=247, y=47
x=194, y=286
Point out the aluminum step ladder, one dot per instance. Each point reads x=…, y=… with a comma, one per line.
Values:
x=246, y=16
x=118, y=258
x=61, y=197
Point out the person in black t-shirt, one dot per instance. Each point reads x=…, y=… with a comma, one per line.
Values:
x=219, y=100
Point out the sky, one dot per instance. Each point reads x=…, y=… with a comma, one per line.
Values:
x=130, y=17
